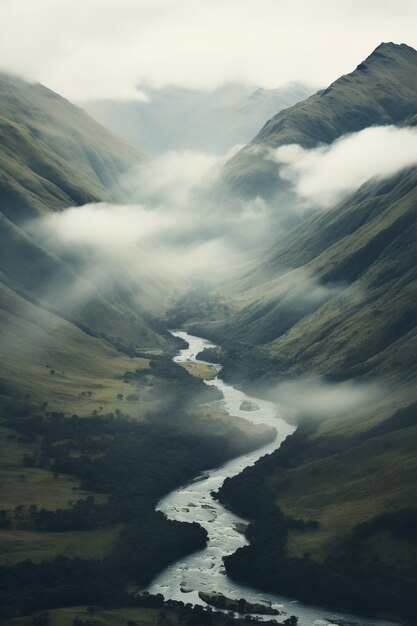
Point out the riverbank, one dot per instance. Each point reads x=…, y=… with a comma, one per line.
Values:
x=204, y=571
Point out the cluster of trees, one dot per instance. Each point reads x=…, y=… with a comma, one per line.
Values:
x=199, y=303
x=84, y=514
x=402, y=523
x=173, y=387
x=353, y=579
x=342, y=580
x=64, y=582
x=133, y=464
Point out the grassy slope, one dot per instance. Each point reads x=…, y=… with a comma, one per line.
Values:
x=336, y=296
x=381, y=90
x=36, y=273
x=53, y=154
x=88, y=376
x=118, y=617
x=34, y=342
x=349, y=488
x=115, y=617
x=367, y=330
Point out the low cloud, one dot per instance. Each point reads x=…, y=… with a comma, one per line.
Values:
x=312, y=292
x=317, y=397
x=107, y=227
x=324, y=174
x=173, y=179
x=169, y=232
x=171, y=222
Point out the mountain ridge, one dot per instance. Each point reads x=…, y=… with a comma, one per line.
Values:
x=53, y=154
x=381, y=90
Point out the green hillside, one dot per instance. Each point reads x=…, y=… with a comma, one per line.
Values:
x=336, y=296
x=98, y=423
x=381, y=90
x=347, y=311
x=53, y=155
x=333, y=510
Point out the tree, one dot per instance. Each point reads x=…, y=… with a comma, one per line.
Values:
x=41, y=620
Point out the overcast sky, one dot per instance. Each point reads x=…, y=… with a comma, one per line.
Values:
x=102, y=48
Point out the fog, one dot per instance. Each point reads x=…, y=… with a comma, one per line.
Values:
x=180, y=118
x=325, y=174
x=172, y=230
x=314, y=396
x=92, y=49
x=178, y=231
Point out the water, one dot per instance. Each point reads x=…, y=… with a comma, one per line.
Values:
x=204, y=570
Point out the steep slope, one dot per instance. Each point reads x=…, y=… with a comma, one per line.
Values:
x=334, y=511
x=335, y=296
x=381, y=90
x=40, y=275
x=334, y=302
x=46, y=358
x=176, y=118
x=53, y=154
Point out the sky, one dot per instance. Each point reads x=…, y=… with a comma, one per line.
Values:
x=92, y=49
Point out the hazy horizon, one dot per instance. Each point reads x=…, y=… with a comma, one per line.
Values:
x=93, y=50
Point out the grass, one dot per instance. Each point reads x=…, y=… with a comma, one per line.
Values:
x=19, y=545
x=199, y=370
x=348, y=488
x=382, y=94
x=87, y=371
x=56, y=155
x=112, y=617
x=31, y=485
x=23, y=486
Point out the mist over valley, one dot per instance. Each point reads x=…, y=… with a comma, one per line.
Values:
x=208, y=322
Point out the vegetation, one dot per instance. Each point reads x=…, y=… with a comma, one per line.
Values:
x=143, y=611
x=53, y=154
x=333, y=483
x=98, y=423
x=100, y=523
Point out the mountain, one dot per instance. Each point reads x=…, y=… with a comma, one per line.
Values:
x=177, y=118
x=93, y=432
x=380, y=91
x=52, y=156
x=345, y=277
x=330, y=308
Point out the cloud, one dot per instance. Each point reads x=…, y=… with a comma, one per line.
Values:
x=167, y=233
x=324, y=174
x=172, y=179
x=93, y=49
x=110, y=228
x=316, y=397
x=171, y=235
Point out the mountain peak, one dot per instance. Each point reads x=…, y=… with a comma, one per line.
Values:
x=389, y=51
x=380, y=91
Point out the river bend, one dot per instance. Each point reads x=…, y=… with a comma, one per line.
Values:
x=204, y=570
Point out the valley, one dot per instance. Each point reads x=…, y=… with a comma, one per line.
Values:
x=145, y=470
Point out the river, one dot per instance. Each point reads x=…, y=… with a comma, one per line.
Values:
x=204, y=570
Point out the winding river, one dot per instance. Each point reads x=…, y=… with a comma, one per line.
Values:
x=204, y=570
